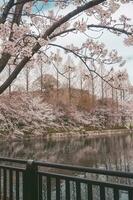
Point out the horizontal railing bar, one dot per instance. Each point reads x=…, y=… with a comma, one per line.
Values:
x=86, y=169
x=87, y=181
x=21, y=161
x=73, y=168
x=12, y=168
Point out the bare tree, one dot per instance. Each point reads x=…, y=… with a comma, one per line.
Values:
x=69, y=68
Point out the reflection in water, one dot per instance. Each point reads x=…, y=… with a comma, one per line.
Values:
x=112, y=152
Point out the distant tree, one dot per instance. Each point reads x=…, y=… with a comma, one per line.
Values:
x=69, y=68
x=27, y=73
x=48, y=83
x=56, y=62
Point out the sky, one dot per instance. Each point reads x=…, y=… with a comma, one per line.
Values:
x=42, y=5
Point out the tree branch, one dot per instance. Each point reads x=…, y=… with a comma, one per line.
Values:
x=70, y=15
x=94, y=26
x=48, y=32
x=84, y=62
x=6, y=11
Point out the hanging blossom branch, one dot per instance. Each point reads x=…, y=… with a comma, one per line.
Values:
x=93, y=26
x=54, y=65
x=86, y=65
x=47, y=33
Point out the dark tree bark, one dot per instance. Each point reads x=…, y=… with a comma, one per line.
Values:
x=16, y=19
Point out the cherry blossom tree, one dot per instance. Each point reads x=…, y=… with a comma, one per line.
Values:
x=26, y=29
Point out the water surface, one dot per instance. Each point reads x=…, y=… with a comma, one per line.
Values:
x=108, y=152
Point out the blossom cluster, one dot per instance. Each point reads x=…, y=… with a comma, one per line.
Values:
x=80, y=25
x=129, y=40
x=12, y=39
x=20, y=39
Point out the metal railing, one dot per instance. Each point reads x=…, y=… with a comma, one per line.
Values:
x=34, y=180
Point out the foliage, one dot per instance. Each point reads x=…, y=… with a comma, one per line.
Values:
x=48, y=82
x=28, y=114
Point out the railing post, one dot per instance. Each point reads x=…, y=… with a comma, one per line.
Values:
x=30, y=181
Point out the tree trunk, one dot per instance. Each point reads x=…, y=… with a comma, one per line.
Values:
x=27, y=79
x=57, y=86
x=41, y=78
x=9, y=72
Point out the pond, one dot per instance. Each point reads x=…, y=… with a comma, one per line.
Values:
x=107, y=152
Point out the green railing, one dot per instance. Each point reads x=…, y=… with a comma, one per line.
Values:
x=34, y=180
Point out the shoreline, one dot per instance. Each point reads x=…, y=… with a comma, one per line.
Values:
x=91, y=134
x=61, y=135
